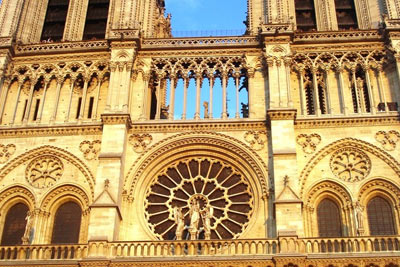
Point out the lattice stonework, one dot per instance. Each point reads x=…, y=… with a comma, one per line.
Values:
x=350, y=164
x=44, y=171
x=208, y=181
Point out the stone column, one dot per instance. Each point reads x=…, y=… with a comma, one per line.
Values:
x=60, y=81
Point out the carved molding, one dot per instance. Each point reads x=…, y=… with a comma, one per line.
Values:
x=346, y=122
x=308, y=142
x=140, y=142
x=327, y=187
x=388, y=140
x=113, y=119
x=256, y=139
x=350, y=164
x=284, y=114
x=90, y=149
x=65, y=190
x=6, y=151
x=44, y=171
x=52, y=131
x=15, y=191
x=344, y=143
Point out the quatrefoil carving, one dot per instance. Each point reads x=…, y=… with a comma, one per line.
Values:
x=256, y=139
x=308, y=142
x=140, y=142
x=90, y=149
x=6, y=152
x=388, y=139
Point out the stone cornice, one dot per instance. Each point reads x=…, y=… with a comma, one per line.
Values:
x=282, y=114
x=337, y=36
x=51, y=130
x=310, y=123
x=112, y=119
x=188, y=126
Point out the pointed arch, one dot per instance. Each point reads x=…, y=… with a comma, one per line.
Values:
x=346, y=142
x=54, y=151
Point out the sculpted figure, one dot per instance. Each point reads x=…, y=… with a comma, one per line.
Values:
x=28, y=228
x=180, y=222
x=194, y=220
x=207, y=214
x=205, y=105
x=359, y=215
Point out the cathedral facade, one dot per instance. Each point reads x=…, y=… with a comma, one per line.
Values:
x=122, y=145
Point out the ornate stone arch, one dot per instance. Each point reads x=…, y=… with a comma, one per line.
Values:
x=54, y=151
x=198, y=146
x=343, y=143
x=54, y=199
x=320, y=191
x=150, y=155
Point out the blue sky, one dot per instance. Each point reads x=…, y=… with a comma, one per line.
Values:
x=200, y=15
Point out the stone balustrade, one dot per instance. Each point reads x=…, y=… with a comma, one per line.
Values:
x=215, y=248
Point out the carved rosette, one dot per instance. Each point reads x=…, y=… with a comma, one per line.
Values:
x=140, y=142
x=388, y=140
x=208, y=182
x=350, y=164
x=89, y=149
x=6, y=151
x=256, y=139
x=308, y=142
x=44, y=171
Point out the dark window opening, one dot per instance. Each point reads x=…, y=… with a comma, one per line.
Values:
x=305, y=15
x=309, y=92
x=54, y=23
x=36, y=109
x=67, y=224
x=346, y=14
x=14, y=226
x=96, y=20
x=78, y=109
x=380, y=217
x=90, y=111
x=329, y=222
x=23, y=113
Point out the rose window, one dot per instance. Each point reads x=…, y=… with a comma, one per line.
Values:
x=207, y=182
x=44, y=171
x=350, y=164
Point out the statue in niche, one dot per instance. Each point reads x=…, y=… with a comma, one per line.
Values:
x=207, y=214
x=194, y=220
x=179, y=218
x=28, y=228
x=358, y=209
x=205, y=105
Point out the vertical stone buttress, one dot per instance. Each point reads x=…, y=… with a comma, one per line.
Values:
x=105, y=215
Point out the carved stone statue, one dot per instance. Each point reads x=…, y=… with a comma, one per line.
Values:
x=207, y=214
x=359, y=216
x=194, y=220
x=205, y=105
x=28, y=228
x=180, y=222
x=165, y=112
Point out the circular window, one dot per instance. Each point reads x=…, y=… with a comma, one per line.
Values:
x=204, y=183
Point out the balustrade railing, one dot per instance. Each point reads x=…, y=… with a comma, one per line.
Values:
x=215, y=248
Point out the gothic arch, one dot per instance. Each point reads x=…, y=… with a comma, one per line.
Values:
x=175, y=144
x=54, y=151
x=380, y=187
x=346, y=142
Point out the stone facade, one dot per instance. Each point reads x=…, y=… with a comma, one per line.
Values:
x=107, y=124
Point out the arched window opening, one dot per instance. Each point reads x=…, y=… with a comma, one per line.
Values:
x=380, y=217
x=54, y=23
x=96, y=20
x=329, y=222
x=346, y=14
x=322, y=94
x=309, y=92
x=359, y=91
x=67, y=224
x=305, y=15
x=14, y=226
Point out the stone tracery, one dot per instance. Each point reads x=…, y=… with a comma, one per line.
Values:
x=208, y=182
x=350, y=164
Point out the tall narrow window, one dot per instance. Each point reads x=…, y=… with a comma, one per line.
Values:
x=90, y=111
x=96, y=20
x=380, y=217
x=309, y=92
x=54, y=23
x=67, y=224
x=329, y=222
x=35, y=114
x=14, y=226
x=346, y=14
x=78, y=108
x=305, y=15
